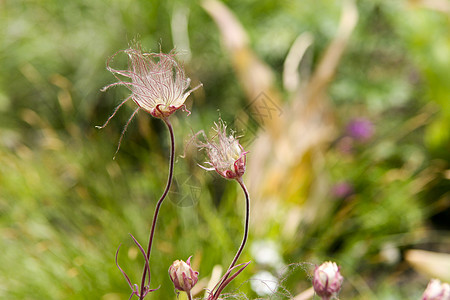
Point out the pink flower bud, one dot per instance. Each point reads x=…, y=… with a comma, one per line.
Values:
x=182, y=275
x=327, y=280
x=436, y=291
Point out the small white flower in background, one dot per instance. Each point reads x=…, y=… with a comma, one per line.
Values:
x=264, y=283
x=390, y=253
x=436, y=291
x=327, y=280
x=267, y=253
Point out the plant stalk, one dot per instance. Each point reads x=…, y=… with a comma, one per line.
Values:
x=158, y=206
x=244, y=238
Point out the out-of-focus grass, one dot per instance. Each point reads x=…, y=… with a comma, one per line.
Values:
x=65, y=205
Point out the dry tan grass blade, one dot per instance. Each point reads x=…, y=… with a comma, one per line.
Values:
x=430, y=264
x=286, y=153
x=255, y=76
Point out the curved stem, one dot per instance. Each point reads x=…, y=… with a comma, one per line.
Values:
x=244, y=238
x=158, y=206
x=189, y=295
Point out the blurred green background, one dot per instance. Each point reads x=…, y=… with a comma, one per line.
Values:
x=66, y=205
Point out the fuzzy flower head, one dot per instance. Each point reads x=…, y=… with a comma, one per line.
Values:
x=157, y=82
x=182, y=275
x=226, y=156
x=327, y=280
x=436, y=291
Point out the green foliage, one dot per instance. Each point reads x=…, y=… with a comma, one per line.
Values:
x=66, y=206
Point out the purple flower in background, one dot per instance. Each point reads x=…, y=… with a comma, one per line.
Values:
x=342, y=190
x=360, y=129
x=346, y=145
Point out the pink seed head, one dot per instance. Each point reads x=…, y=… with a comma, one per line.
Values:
x=226, y=156
x=156, y=80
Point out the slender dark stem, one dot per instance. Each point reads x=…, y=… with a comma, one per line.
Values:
x=189, y=295
x=158, y=206
x=244, y=238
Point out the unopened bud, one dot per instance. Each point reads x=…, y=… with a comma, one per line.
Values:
x=182, y=275
x=436, y=291
x=327, y=280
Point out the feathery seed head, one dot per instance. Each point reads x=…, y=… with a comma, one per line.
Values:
x=158, y=82
x=225, y=154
